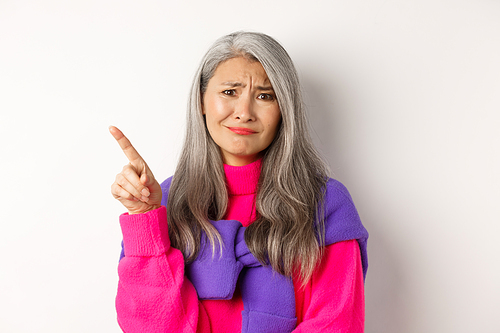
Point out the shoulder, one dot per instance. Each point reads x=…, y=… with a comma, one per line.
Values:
x=342, y=220
x=337, y=195
x=165, y=188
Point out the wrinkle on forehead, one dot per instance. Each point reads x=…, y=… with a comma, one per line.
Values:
x=234, y=73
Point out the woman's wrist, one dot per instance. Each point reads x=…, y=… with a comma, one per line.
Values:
x=153, y=207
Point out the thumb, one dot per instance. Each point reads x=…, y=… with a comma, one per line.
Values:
x=147, y=179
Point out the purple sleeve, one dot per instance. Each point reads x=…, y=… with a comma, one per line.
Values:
x=342, y=220
x=268, y=297
x=215, y=274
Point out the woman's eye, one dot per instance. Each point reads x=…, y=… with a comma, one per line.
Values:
x=266, y=97
x=229, y=92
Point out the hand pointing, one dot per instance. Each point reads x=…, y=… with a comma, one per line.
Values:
x=135, y=187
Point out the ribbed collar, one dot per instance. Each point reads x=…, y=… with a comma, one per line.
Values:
x=242, y=180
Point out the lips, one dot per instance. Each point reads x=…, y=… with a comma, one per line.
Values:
x=242, y=130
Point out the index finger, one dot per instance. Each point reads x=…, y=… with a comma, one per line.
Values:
x=126, y=146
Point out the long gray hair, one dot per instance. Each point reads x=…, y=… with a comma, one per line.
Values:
x=288, y=233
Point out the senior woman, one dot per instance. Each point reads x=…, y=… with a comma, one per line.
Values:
x=258, y=238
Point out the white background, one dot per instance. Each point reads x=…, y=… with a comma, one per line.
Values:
x=404, y=102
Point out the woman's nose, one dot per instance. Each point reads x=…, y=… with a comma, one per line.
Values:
x=244, y=109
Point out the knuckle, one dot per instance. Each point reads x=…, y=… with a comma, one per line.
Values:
x=119, y=179
x=115, y=191
x=128, y=171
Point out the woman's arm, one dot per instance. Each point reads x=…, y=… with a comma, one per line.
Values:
x=334, y=297
x=153, y=294
x=333, y=300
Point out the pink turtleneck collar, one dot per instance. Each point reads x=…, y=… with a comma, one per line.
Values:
x=243, y=180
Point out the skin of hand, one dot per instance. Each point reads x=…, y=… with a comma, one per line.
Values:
x=135, y=186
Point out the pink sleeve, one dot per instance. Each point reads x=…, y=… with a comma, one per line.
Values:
x=334, y=299
x=153, y=294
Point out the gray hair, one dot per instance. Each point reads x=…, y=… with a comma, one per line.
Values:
x=288, y=232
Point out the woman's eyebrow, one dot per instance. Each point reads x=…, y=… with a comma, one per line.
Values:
x=264, y=88
x=233, y=84
x=239, y=84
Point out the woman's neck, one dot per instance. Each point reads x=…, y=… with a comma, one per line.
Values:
x=242, y=180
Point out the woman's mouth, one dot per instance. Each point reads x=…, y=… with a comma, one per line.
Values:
x=242, y=130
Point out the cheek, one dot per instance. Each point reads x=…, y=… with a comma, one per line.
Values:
x=216, y=110
x=214, y=117
x=274, y=121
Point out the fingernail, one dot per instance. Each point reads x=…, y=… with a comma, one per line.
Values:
x=145, y=192
x=145, y=199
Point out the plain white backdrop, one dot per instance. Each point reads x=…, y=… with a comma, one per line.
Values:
x=403, y=99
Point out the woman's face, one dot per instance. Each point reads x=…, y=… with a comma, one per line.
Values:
x=241, y=110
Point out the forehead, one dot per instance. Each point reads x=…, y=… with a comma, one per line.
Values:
x=240, y=69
